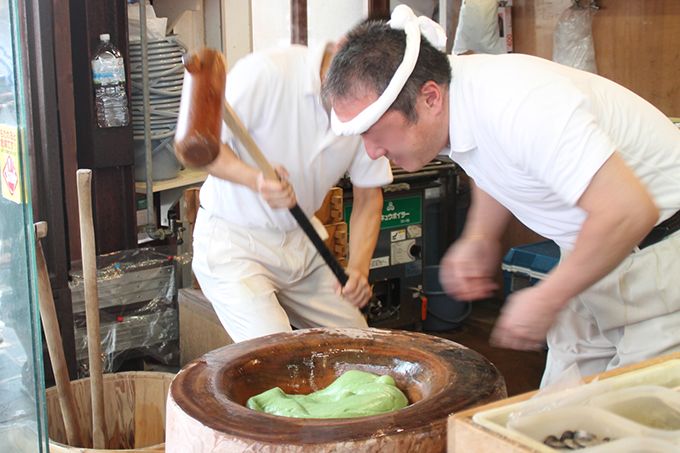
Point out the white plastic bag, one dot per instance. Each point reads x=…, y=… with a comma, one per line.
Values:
x=477, y=29
x=573, y=39
x=155, y=26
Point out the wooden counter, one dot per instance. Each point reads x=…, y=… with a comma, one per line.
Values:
x=464, y=435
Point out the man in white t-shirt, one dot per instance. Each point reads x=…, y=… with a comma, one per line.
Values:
x=575, y=157
x=252, y=260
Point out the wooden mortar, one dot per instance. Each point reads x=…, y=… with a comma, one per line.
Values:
x=206, y=409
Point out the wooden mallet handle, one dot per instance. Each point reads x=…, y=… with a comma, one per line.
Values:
x=55, y=346
x=89, y=258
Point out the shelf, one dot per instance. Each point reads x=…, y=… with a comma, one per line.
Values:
x=186, y=177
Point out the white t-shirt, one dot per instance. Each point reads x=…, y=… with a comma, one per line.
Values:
x=532, y=134
x=277, y=96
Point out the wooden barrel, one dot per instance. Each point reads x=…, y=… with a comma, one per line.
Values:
x=134, y=405
x=206, y=404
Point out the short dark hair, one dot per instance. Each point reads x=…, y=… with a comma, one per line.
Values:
x=368, y=59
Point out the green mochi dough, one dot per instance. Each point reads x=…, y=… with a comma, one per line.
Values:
x=354, y=394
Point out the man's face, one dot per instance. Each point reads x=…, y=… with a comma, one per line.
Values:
x=407, y=145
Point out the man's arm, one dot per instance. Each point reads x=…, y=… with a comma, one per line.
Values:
x=229, y=167
x=620, y=212
x=469, y=268
x=486, y=218
x=364, y=225
x=277, y=193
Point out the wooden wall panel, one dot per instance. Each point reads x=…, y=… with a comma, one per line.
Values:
x=298, y=22
x=98, y=147
x=378, y=9
x=63, y=60
x=637, y=43
x=114, y=211
x=108, y=152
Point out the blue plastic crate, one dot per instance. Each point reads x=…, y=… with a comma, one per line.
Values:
x=525, y=265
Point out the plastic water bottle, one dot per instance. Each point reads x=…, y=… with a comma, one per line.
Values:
x=108, y=75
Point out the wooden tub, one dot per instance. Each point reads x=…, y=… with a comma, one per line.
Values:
x=134, y=404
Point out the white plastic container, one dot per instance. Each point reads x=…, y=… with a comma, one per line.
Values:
x=596, y=421
x=656, y=408
x=611, y=408
x=634, y=445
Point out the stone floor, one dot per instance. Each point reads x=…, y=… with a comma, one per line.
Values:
x=522, y=370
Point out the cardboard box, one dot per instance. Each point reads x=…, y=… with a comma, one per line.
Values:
x=200, y=330
x=337, y=241
x=331, y=208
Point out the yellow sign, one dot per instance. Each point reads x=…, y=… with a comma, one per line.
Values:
x=10, y=171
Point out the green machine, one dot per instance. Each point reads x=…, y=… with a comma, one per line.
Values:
x=419, y=222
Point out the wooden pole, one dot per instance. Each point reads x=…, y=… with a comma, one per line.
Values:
x=48, y=315
x=89, y=258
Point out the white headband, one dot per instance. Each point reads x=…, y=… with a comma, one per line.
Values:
x=402, y=19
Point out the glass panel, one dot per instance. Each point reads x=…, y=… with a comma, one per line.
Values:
x=22, y=407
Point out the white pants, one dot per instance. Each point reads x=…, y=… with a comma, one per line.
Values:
x=630, y=315
x=262, y=281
